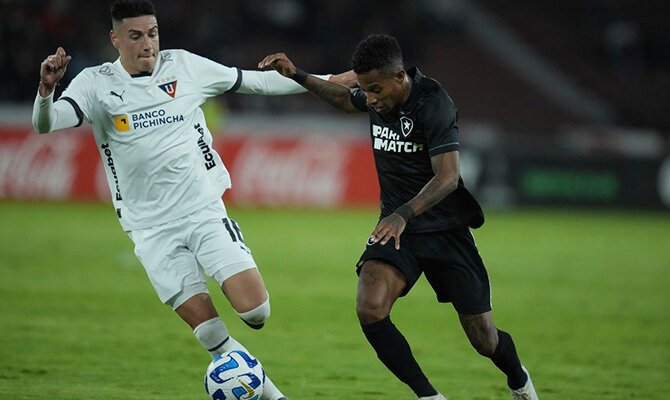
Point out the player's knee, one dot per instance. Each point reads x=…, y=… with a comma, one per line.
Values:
x=256, y=317
x=481, y=332
x=379, y=286
x=370, y=311
x=484, y=349
x=485, y=344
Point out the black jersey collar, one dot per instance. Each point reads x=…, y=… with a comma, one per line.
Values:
x=141, y=74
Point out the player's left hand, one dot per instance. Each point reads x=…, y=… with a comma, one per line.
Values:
x=389, y=227
x=52, y=71
x=280, y=62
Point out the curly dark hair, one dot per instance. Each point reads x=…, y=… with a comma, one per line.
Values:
x=380, y=52
x=131, y=8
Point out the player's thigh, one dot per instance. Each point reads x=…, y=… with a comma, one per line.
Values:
x=380, y=279
x=170, y=265
x=384, y=271
x=379, y=285
x=245, y=290
x=221, y=251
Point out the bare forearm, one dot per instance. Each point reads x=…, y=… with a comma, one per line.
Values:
x=444, y=182
x=393, y=225
x=434, y=192
x=334, y=94
x=45, y=90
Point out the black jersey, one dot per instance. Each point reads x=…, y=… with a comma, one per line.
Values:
x=425, y=126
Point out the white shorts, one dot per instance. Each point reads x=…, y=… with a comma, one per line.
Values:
x=178, y=255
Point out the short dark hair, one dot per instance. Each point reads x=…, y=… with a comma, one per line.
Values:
x=131, y=8
x=380, y=52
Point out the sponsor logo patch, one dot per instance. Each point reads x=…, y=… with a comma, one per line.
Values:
x=386, y=139
x=121, y=123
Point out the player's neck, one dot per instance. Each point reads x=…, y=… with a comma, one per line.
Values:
x=406, y=89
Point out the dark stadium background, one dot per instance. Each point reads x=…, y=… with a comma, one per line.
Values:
x=540, y=85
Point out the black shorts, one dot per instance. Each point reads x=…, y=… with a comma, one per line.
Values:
x=450, y=261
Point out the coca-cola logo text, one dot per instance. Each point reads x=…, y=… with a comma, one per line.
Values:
x=303, y=171
x=37, y=167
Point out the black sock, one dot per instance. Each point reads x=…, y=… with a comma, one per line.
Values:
x=507, y=360
x=394, y=351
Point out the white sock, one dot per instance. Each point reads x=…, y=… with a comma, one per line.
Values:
x=214, y=337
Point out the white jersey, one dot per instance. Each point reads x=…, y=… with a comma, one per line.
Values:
x=151, y=133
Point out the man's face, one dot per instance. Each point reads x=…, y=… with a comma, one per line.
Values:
x=137, y=41
x=384, y=91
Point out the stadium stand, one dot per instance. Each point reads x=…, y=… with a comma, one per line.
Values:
x=616, y=50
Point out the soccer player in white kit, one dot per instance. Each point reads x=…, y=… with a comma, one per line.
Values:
x=165, y=178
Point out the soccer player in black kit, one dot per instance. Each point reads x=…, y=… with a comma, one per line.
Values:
x=414, y=132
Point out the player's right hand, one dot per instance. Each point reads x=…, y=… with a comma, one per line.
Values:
x=280, y=62
x=52, y=70
x=390, y=227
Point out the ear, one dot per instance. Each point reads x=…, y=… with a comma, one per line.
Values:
x=400, y=76
x=114, y=39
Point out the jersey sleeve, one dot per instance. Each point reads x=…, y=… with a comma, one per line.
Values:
x=270, y=83
x=213, y=78
x=80, y=94
x=49, y=116
x=439, y=118
x=359, y=99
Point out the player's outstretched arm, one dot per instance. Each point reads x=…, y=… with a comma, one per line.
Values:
x=335, y=94
x=347, y=78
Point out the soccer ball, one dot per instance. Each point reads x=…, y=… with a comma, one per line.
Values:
x=236, y=375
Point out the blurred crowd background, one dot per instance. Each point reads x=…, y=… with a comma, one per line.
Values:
x=527, y=66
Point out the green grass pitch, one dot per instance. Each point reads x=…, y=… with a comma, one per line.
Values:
x=584, y=293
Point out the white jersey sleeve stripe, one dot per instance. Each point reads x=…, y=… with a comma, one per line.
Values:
x=238, y=82
x=77, y=110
